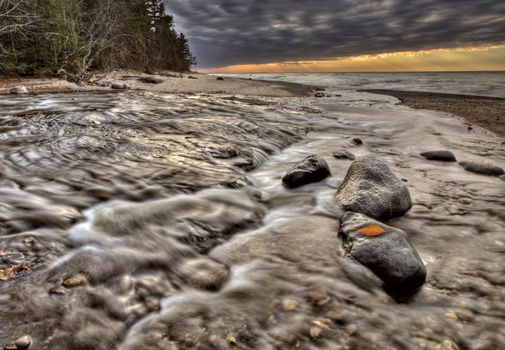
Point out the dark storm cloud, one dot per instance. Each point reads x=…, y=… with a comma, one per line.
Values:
x=226, y=32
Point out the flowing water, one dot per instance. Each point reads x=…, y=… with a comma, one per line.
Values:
x=152, y=221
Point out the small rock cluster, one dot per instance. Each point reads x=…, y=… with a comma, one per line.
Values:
x=370, y=192
x=482, y=168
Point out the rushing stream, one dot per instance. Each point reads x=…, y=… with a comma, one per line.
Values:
x=152, y=221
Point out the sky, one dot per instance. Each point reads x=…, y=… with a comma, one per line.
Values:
x=247, y=36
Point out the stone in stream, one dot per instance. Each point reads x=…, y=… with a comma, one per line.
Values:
x=483, y=168
x=151, y=80
x=18, y=90
x=443, y=156
x=357, y=141
x=343, y=154
x=384, y=250
x=311, y=169
x=21, y=343
x=371, y=188
x=319, y=94
x=219, y=78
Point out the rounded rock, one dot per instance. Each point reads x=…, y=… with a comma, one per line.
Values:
x=384, y=250
x=311, y=169
x=442, y=156
x=23, y=342
x=483, y=168
x=371, y=188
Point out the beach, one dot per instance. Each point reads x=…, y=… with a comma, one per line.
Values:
x=486, y=112
x=160, y=217
x=168, y=82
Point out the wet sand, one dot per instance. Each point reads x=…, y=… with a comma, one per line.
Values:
x=486, y=112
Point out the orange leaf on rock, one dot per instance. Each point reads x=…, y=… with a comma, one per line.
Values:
x=372, y=230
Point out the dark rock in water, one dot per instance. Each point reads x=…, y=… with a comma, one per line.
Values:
x=192, y=77
x=385, y=250
x=224, y=152
x=18, y=90
x=80, y=83
x=371, y=188
x=151, y=80
x=219, y=78
x=343, y=154
x=357, y=141
x=119, y=86
x=319, y=94
x=483, y=168
x=311, y=169
x=443, y=156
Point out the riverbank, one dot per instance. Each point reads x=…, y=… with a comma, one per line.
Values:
x=486, y=112
x=168, y=82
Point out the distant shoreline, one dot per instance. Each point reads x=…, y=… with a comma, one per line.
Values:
x=485, y=111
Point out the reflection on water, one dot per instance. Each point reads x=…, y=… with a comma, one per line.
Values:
x=160, y=222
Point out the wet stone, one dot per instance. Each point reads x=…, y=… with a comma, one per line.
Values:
x=311, y=169
x=483, y=168
x=357, y=141
x=319, y=94
x=23, y=342
x=384, y=250
x=343, y=154
x=371, y=188
x=443, y=156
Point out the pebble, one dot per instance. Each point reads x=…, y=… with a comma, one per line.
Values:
x=343, y=154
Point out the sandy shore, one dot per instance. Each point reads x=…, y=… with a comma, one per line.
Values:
x=170, y=83
x=487, y=112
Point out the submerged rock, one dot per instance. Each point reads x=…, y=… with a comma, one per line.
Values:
x=219, y=78
x=443, y=156
x=311, y=169
x=319, y=94
x=18, y=90
x=343, y=154
x=384, y=250
x=371, y=188
x=483, y=168
x=151, y=80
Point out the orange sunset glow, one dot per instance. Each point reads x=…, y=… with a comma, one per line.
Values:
x=486, y=58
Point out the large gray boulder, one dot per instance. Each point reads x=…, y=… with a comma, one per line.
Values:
x=371, y=188
x=384, y=250
x=483, y=168
x=311, y=169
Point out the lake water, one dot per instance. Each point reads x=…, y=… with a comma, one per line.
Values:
x=470, y=83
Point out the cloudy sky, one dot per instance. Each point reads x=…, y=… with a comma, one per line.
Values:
x=310, y=34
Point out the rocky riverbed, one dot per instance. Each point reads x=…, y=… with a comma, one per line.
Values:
x=144, y=220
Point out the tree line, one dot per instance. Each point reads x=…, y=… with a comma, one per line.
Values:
x=41, y=37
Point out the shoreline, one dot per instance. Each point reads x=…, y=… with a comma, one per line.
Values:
x=168, y=82
x=485, y=111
